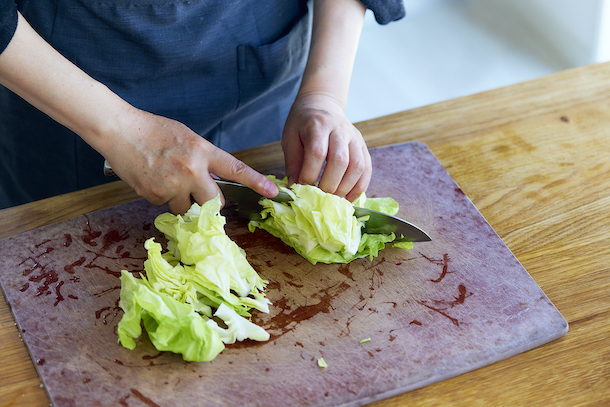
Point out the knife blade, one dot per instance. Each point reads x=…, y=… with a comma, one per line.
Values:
x=248, y=207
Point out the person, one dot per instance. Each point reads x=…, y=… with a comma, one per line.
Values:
x=165, y=90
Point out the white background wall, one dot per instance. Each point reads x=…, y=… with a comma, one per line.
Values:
x=444, y=49
x=571, y=28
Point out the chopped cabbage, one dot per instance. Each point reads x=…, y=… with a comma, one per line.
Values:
x=170, y=324
x=322, y=363
x=322, y=227
x=239, y=328
x=202, y=271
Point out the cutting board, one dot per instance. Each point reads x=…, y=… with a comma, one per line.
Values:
x=445, y=307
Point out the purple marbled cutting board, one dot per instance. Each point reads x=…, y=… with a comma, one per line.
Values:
x=444, y=308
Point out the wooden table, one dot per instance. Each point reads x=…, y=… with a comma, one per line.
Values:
x=535, y=160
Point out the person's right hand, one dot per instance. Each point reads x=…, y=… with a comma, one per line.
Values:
x=162, y=159
x=165, y=161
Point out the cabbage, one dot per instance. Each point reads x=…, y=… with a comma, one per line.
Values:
x=203, y=270
x=322, y=227
x=239, y=328
x=170, y=324
x=385, y=205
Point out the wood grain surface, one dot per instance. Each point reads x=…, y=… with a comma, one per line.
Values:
x=535, y=160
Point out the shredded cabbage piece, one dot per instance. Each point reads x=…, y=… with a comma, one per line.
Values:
x=322, y=227
x=170, y=324
x=202, y=275
x=239, y=328
x=322, y=363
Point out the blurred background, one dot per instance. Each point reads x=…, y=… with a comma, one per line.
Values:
x=444, y=49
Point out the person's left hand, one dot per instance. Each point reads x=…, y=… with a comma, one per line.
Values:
x=317, y=132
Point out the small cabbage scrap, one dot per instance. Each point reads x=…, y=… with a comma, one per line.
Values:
x=322, y=227
x=239, y=328
x=202, y=271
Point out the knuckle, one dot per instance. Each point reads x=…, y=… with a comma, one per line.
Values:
x=158, y=193
x=152, y=195
x=317, y=152
x=186, y=165
x=358, y=165
x=341, y=159
x=237, y=167
x=316, y=122
x=261, y=183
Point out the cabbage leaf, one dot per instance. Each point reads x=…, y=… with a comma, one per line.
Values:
x=322, y=227
x=170, y=324
x=239, y=328
x=202, y=275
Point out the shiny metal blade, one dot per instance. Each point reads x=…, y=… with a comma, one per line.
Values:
x=248, y=207
x=246, y=199
x=381, y=223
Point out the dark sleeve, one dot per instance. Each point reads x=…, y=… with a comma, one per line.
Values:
x=386, y=11
x=8, y=22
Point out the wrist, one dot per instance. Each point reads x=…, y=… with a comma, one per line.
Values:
x=315, y=98
x=104, y=118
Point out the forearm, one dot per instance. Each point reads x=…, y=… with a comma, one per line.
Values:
x=336, y=31
x=162, y=159
x=31, y=68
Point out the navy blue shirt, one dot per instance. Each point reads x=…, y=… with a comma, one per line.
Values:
x=385, y=12
x=227, y=69
x=8, y=22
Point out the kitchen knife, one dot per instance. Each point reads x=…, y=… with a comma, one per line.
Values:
x=248, y=207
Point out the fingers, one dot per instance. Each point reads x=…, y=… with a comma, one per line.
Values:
x=226, y=166
x=199, y=189
x=319, y=142
x=344, y=163
x=179, y=204
x=363, y=182
x=293, y=158
x=315, y=151
x=206, y=189
x=348, y=169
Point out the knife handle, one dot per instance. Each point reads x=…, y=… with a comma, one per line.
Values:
x=108, y=170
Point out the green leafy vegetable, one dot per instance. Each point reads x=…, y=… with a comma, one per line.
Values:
x=239, y=328
x=322, y=227
x=385, y=205
x=202, y=271
x=170, y=324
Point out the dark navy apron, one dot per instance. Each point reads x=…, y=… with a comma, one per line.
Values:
x=228, y=69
